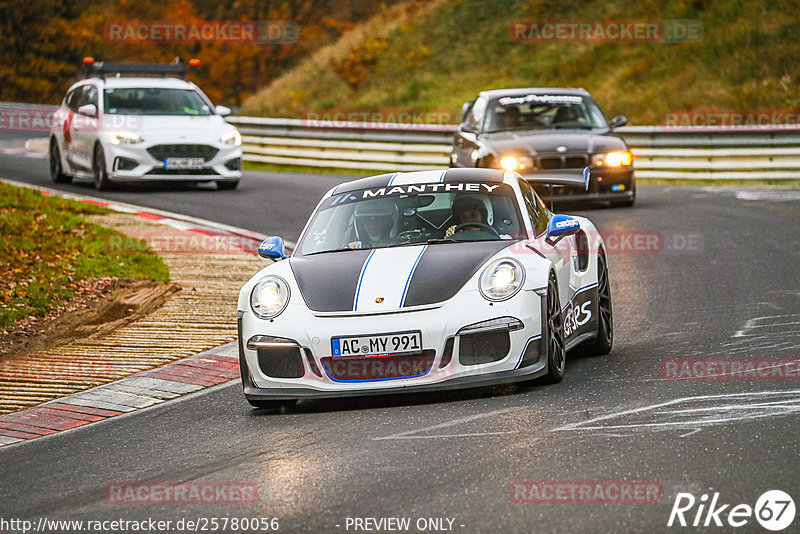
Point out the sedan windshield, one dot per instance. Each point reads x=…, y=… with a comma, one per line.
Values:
x=154, y=101
x=413, y=214
x=543, y=112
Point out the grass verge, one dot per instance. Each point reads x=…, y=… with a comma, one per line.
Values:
x=46, y=246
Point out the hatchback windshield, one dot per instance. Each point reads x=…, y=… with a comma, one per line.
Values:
x=413, y=214
x=154, y=101
x=543, y=112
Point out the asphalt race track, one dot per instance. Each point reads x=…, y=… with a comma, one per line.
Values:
x=721, y=281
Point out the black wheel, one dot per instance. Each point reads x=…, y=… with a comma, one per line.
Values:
x=56, y=170
x=226, y=185
x=605, y=321
x=101, y=181
x=272, y=405
x=556, y=355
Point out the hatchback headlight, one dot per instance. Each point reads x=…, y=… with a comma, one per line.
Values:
x=126, y=138
x=232, y=138
x=502, y=280
x=269, y=297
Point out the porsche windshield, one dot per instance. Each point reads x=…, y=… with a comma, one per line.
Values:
x=543, y=112
x=154, y=101
x=413, y=214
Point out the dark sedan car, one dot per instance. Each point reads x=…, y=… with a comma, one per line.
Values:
x=535, y=131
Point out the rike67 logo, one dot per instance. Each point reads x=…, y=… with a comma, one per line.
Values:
x=774, y=510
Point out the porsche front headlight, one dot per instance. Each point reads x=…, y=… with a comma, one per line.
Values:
x=502, y=280
x=269, y=297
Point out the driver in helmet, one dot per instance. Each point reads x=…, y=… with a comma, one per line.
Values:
x=374, y=221
x=467, y=209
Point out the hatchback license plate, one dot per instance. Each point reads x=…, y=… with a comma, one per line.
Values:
x=184, y=163
x=380, y=345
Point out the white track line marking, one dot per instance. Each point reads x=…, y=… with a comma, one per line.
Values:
x=408, y=433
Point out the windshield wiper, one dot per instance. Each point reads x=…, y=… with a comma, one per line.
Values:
x=345, y=249
x=573, y=127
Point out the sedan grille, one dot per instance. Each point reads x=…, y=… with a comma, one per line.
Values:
x=562, y=162
x=160, y=152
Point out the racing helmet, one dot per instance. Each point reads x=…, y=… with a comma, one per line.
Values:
x=375, y=219
x=467, y=202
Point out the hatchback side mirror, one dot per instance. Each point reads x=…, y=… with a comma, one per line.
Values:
x=272, y=248
x=223, y=111
x=561, y=226
x=90, y=110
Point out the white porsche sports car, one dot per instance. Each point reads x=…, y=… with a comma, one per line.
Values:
x=419, y=281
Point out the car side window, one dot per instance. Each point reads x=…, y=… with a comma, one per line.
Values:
x=475, y=116
x=536, y=212
x=89, y=95
x=73, y=97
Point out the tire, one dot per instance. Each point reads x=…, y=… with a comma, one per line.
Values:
x=605, y=314
x=101, y=181
x=227, y=185
x=272, y=405
x=554, y=330
x=56, y=170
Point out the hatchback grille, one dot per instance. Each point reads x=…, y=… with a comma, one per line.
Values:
x=161, y=152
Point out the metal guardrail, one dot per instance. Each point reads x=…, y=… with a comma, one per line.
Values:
x=685, y=153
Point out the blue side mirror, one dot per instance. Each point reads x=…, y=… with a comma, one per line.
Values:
x=272, y=248
x=560, y=227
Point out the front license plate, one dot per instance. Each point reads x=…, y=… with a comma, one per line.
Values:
x=184, y=163
x=382, y=345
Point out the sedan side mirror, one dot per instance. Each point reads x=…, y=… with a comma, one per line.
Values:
x=468, y=127
x=272, y=248
x=618, y=122
x=561, y=226
x=223, y=111
x=90, y=110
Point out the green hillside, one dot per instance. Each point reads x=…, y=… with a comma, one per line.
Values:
x=436, y=55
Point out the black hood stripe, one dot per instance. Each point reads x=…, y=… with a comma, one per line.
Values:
x=328, y=282
x=445, y=268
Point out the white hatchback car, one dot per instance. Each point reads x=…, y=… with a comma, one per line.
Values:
x=114, y=128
